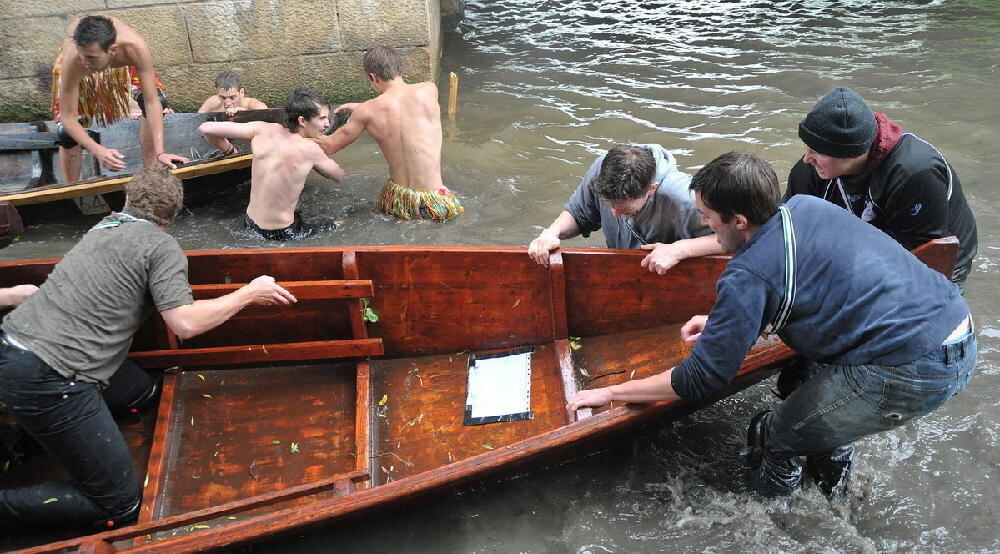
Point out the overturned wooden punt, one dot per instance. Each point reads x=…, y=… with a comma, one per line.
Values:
x=289, y=417
x=29, y=167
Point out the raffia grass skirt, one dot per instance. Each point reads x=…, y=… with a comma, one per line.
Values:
x=406, y=203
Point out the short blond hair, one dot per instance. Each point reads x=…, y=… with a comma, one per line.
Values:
x=155, y=194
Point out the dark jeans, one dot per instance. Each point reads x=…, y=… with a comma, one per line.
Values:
x=74, y=424
x=838, y=404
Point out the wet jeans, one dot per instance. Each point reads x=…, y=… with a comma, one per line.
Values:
x=838, y=404
x=72, y=421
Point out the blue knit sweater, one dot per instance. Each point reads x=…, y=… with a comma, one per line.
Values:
x=861, y=299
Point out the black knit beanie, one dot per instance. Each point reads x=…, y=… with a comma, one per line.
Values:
x=840, y=125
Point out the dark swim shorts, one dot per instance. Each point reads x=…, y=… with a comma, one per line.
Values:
x=297, y=230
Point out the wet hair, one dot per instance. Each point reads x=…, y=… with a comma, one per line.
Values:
x=155, y=194
x=228, y=79
x=95, y=28
x=739, y=182
x=305, y=102
x=626, y=173
x=382, y=61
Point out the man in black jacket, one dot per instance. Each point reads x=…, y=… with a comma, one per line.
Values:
x=895, y=180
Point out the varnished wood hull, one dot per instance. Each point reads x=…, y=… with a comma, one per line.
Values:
x=375, y=409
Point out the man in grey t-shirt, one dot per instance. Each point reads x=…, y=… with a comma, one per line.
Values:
x=69, y=340
x=636, y=195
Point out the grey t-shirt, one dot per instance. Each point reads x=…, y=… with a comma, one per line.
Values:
x=82, y=319
x=669, y=215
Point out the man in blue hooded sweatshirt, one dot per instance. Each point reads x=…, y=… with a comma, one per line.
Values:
x=638, y=197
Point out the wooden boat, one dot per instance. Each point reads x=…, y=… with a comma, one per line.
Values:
x=29, y=170
x=290, y=417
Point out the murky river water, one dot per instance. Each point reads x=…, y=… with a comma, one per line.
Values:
x=545, y=87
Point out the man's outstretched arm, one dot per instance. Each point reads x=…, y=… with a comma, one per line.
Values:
x=204, y=315
x=344, y=136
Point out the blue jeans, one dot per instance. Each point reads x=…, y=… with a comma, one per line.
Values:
x=74, y=424
x=839, y=404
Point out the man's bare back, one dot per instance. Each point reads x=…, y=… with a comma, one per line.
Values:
x=405, y=121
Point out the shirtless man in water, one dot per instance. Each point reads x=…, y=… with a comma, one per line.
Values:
x=230, y=97
x=283, y=157
x=102, y=62
x=405, y=121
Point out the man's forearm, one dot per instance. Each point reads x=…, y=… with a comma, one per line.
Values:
x=707, y=245
x=565, y=226
x=656, y=388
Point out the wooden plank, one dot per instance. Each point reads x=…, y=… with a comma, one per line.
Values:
x=303, y=290
x=52, y=193
x=557, y=280
x=313, y=350
x=346, y=481
x=939, y=254
x=363, y=432
x=156, y=475
x=28, y=141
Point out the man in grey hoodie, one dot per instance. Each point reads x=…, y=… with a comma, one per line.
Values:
x=639, y=198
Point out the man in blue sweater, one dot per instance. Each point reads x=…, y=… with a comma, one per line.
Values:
x=887, y=338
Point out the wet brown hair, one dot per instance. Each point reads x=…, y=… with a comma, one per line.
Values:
x=626, y=173
x=382, y=61
x=95, y=28
x=739, y=182
x=155, y=194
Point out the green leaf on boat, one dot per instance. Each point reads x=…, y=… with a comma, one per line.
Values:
x=275, y=441
x=488, y=447
x=50, y=500
x=385, y=398
x=295, y=448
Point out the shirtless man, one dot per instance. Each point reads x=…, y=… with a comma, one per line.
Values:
x=283, y=157
x=100, y=60
x=405, y=121
x=230, y=97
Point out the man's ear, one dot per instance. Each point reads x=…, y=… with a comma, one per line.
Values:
x=741, y=221
x=652, y=187
x=302, y=120
x=113, y=49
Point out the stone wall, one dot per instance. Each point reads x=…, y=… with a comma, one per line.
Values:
x=274, y=45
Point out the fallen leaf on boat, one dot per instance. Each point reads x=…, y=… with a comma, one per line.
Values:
x=575, y=345
x=487, y=447
x=146, y=482
x=583, y=370
x=50, y=500
x=516, y=303
x=201, y=527
x=295, y=448
x=385, y=398
x=207, y=395
x=200, y=376
x=275, y=441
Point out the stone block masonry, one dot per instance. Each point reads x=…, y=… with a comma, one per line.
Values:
x=275, y=45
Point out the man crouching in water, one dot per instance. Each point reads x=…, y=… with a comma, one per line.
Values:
x=282, y=159
x=405, y=121
x=63, y=366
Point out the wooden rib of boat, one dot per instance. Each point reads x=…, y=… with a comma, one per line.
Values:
x=288, y=417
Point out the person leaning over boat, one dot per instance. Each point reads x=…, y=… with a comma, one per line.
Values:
x=102, y=62
x=70, y=338
x=895, y=180
x=887, y=338
x=283, y=158
x=405, y=121
x=638, y=197
x=230, y=96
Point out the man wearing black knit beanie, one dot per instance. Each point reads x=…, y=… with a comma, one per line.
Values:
x=895, y=180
